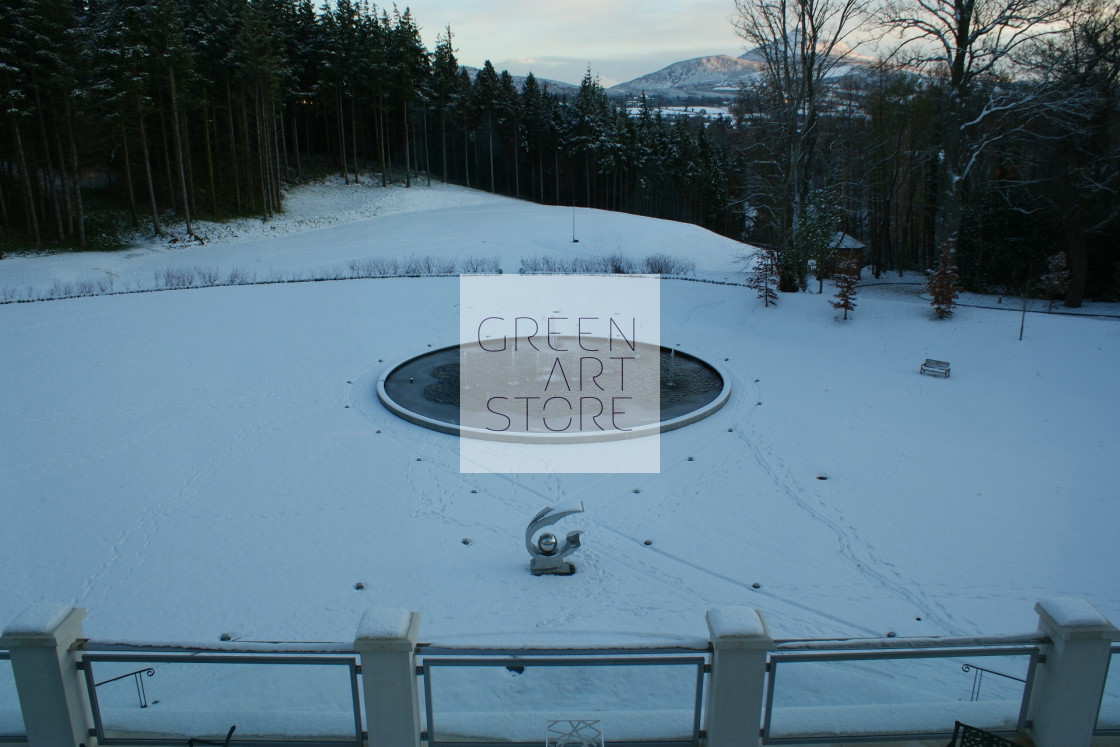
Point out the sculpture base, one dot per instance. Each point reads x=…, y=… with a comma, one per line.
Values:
x=555, y=568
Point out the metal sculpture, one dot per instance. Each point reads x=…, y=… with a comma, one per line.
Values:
x=545, y=551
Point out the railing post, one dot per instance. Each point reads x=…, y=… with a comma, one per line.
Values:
x=740, y=642
x=52, y=695
x=1067, y=693
x=386, y=643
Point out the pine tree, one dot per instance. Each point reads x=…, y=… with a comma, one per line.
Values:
x=846, y=279
x=942, y=286
x=445, y=69
x=763, y=276
x=486, y=101
x=813, y=237
x=509, y=116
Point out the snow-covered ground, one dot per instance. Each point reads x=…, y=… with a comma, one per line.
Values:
x=191, y=463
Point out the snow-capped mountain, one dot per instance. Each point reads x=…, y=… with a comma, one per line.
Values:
x=720, y=76
x=715, y=76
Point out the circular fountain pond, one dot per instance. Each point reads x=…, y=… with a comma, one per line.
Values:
x=427, y=390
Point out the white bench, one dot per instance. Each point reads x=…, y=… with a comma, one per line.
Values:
x=935, y=368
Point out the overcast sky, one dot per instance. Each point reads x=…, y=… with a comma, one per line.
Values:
x=558, y=39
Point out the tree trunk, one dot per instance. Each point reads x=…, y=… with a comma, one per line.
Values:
x=342, y=138
x=1078, y=260
x=208, y=145
x=148, y=168
x=32, y=214
x=443, y=142
x=467, y=157
x=65, y=176
x=295, y=142
x=284, y=171
x=354, y=137
x=233, y=149
x=427, y=158
x=404, y=121
x=128, y=172
x=516, y=162
x=176, y=133
x=490, y=141
x=49, y=181
x=262, y=144
x=75, y=175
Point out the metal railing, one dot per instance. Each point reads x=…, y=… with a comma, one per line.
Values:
x=813, y=693
x=1110, y=702
x=978, y=673
x=205, y=691
x=12, y=737
x=536, y=669
x=138, y=681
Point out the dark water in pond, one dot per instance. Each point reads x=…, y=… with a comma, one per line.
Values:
x=429, y=384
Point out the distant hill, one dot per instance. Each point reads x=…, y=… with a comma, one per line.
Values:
x=720, y=76
x=556, y=86
x=716, y=76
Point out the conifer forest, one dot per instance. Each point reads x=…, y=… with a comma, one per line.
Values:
x=983, y=148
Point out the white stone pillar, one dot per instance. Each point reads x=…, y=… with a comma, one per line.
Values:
x=52, y=694
x=386, y=643
x=740, y=640
x=1068, y=689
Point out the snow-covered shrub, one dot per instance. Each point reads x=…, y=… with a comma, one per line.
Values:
x=476, y=265
x=664, y=264
x=208, y=275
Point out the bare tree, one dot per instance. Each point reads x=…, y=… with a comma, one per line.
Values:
x=974, y=49
x=798, y=43
x=1083, y=157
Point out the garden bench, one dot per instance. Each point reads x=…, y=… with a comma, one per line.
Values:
x=970, y=736
x=224, y=743
x=935, y=368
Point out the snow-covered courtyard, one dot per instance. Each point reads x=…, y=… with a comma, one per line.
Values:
x=210, y=461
